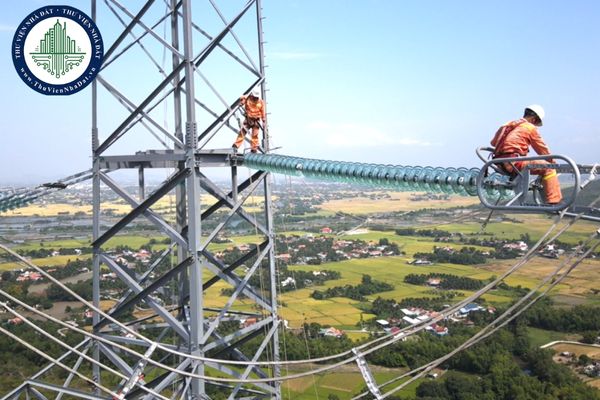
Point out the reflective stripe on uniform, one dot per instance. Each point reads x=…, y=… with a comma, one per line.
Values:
x=550, y=175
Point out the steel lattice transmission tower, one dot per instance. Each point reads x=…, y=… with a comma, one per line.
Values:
x=202, y=64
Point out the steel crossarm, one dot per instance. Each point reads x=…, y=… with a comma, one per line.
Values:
x=235, y=209
x=151, y=215
x=213, y=325
x=224, y=117
x=128, y=29
x=119, y=131
x=162, y=41
x=164, y=381
x=251, y=253
x=261, y=348
x=225, y=49
x=130, y=106
x=15, y=393
x=216, y=192
x=145, y=293
x=107, y=62
x=115, y=359
x=218, y=268
x=65, y=390
x=142, y=279
x=173, y=181
x=221, y=202
x=71, y=374
x=136, y=288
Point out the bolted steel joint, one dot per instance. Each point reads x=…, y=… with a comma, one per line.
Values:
x=95, y=141
x=191, y=137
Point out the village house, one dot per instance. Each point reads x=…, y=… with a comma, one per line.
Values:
x=410, y=321
x=121, y=261
x=413, y=315
x=143, y=256
x=435, y=282
x=419, y=261
x=331, y=331
x=551, y=251
x=246, y=322
x=108, y=276
x=469, y=308
x=288, y=281
x=29, y=276
x=383, y=323
x=339, y=244
x=412, y=311
x=285, y=257
x=520, y=246
x=437, y=329
x=394, y=330
x=592, y=370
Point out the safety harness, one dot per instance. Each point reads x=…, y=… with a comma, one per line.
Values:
x=503, y=136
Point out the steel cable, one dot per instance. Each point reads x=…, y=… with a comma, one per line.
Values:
x=486, y=331
x=395, y=337
x=56, y=362
x=426, y=368
x=75, y=351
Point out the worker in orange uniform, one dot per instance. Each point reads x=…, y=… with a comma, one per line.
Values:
x=513, y=140
x=255, y=111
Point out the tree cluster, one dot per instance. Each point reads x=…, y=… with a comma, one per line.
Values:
x=389, y=308
x=301, y=279
x=505, y=367
x=577, y=319
x=358, y=292
x=447, y=281
x=434, y=233
x=42, y=252
x=464, y=256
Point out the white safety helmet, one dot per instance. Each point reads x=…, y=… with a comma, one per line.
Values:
x=255, y=93
x=538, y=110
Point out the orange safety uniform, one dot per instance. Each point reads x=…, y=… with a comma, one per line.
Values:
x=513, y=140
x=255, y=111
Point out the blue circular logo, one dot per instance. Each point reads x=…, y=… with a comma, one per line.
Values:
x=57, y=50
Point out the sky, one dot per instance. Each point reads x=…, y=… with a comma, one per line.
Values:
x=377, y=81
